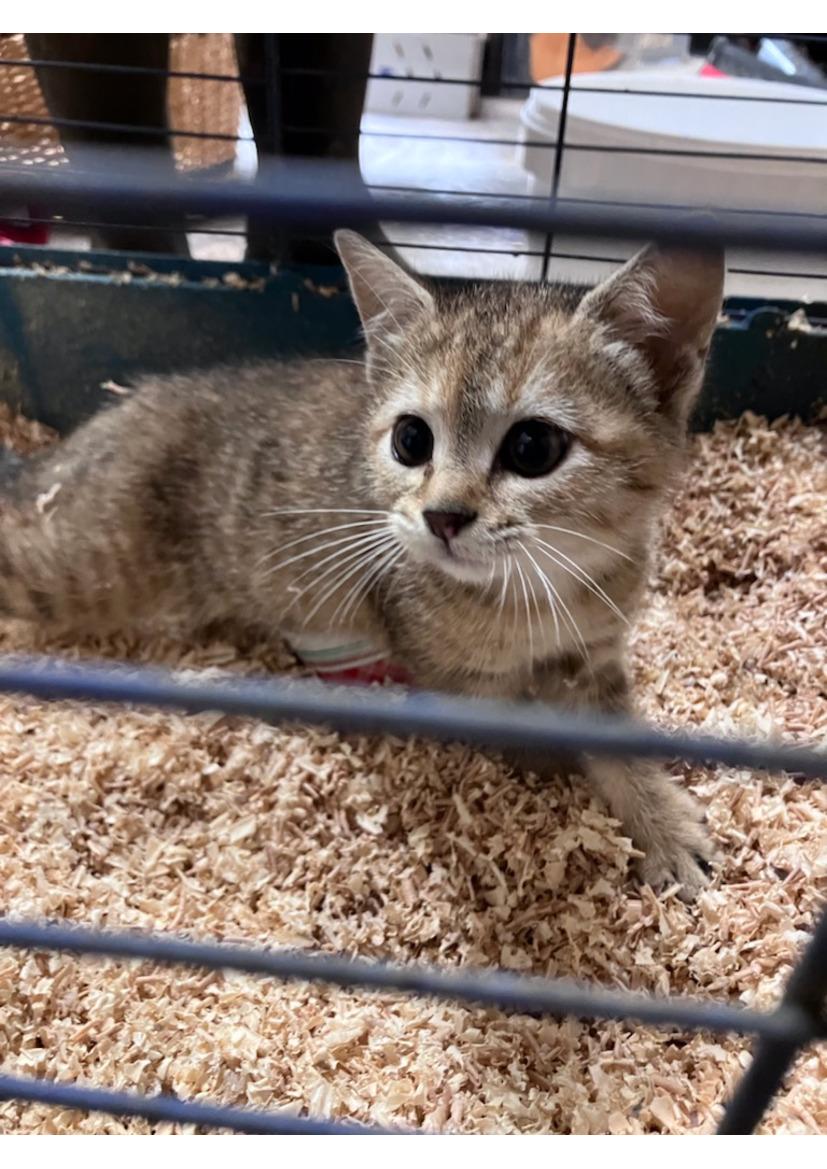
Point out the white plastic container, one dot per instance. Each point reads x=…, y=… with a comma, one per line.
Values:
x=699, y=114
x=453, y=56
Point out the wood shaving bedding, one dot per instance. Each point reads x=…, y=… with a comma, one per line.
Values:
x=220, y=827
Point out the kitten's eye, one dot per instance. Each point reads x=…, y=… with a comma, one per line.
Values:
x=533, y=448
x=413, y=442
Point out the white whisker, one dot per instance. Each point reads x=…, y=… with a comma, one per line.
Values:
x=358, y=593
x=501, y=606
x=351, y=598
x=365, y=560
x=331, y=511
x=354, y=557
x=319, y=535
x=583, y=536
x=347, y=542
x=550, y=592
x=536, y=604
x=574, y=569
x=344, y=556
x=339, y=560
x=336, y=360
x=574, y=628
x=513, y=601
x=521, y=575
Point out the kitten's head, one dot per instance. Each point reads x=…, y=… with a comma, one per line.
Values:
x=509, y=426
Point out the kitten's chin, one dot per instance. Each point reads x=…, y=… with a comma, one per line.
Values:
x=457, y=567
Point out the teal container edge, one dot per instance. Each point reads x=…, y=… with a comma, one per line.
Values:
x=74, y=325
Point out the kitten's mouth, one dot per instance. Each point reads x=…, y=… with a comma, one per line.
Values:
x=459, y=565
x=454, y=562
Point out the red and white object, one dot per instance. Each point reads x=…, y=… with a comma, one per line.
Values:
x=344, y=658
x=21, y=232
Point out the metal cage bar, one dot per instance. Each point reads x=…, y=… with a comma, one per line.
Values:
x=307, y=193
x=798, y=1020
x=559, y=148
x=304, y=192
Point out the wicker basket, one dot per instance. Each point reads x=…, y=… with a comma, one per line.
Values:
x=204, y=107
x=196, y=106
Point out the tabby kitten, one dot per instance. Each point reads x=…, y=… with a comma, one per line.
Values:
x=475, y=501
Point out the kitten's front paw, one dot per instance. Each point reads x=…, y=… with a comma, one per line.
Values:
x=690, y=867
x=678, y=849
x=663, y=820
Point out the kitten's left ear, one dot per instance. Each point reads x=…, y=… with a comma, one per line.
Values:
x=665, y=302
x=388, y=299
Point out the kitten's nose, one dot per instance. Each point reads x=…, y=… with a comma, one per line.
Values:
x=446, y=524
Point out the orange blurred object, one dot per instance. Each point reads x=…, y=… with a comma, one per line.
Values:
x=594, y=52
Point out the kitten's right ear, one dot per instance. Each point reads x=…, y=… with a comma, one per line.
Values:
x=665, y=303
x=388, y=299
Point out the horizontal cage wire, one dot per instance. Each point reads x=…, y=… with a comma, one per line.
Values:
x=797, y=1021
x=527, y=250
x=543, y=221
x=296, y=199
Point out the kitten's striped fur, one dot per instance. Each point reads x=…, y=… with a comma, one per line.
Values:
x=269, y=498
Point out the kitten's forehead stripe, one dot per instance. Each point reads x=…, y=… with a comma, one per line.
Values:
x=487, y=347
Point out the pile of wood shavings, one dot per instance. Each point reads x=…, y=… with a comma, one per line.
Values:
x=221, y=827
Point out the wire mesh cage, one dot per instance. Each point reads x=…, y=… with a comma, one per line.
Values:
x=166, y=204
